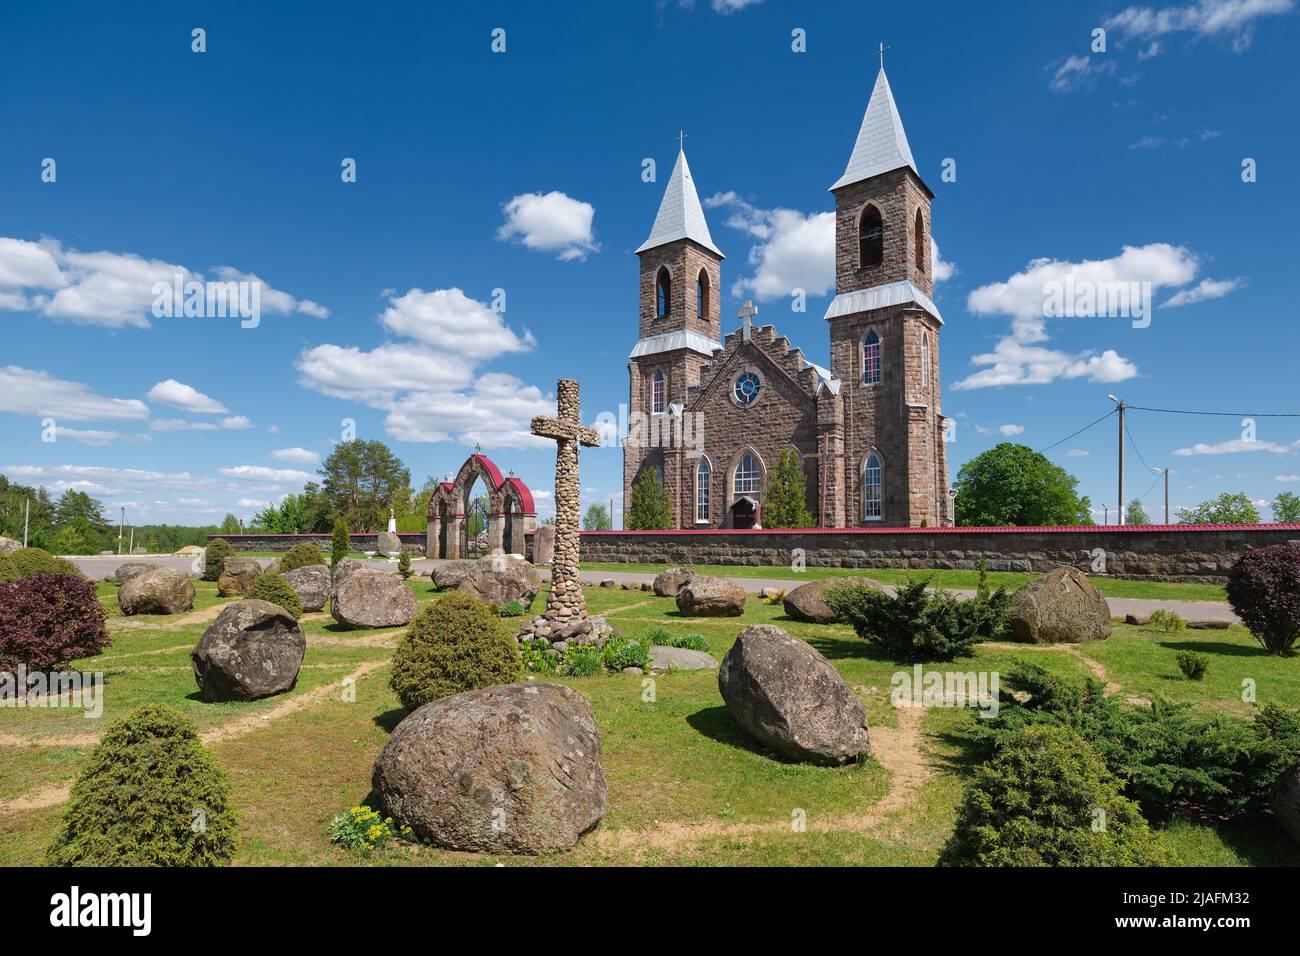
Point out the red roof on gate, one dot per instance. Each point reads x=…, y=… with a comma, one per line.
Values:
x=525, y=496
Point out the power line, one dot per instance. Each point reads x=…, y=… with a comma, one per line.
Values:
x=1079, y=432
x=1132, y=442
x=1184, y=411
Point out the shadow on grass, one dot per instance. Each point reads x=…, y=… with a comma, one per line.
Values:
x=1215, y=647
x=1259, y=840
x=389, y=719
x=716, y=723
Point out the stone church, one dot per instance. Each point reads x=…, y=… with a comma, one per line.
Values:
x=868, y=430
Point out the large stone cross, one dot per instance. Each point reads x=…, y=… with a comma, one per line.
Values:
x=746, y=315
x=565, y=604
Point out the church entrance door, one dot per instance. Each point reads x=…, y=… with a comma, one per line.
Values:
x=743, y=513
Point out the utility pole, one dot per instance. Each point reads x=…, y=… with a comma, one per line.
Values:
x=27, y=516
x=1165, y=472
x=1106, y=508
x=1121, y=406
x=120, y=528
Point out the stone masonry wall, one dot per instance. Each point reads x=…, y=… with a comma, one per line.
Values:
x=1162, y=553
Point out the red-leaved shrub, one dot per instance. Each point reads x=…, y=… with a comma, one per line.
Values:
x=48, y=620
x=1264, y=590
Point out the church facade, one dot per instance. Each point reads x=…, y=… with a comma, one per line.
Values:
x=712, y=415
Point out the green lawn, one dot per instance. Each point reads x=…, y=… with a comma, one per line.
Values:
x=686, y=785
x=1011, y=580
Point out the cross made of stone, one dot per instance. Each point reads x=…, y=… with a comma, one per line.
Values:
x=746, y=314
x=567, y=425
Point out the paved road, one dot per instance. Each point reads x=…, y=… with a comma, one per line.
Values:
x=102, y=566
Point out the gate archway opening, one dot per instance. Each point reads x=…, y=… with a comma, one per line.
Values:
x=480, y=512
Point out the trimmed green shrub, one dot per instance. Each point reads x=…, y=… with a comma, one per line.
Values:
x=26, y=562
x=1264, y=591
x=513, y=609
x=915, y=625
x=404, y=564
x=1047, y=799
x=274, y=588
x=214, y=558
x=49, y=620
x=1168, y=621
x=621, y=652
x=455, y=644
x=150, y=795
x=301, y=556
x=584, y=661
x=1167, y=756
x=340, y=542
x=1194, y=666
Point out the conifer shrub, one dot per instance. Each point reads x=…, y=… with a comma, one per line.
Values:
x=1194, y=666
x=214, y=558
x=301, y=556
x=914, y=625
x=150, y=795
x=340, y=542
x=49, y=620
x=275, y=589
x=455, y=644
x=26, y=562
x=1264, y=591
x=404, y=564
x=1047, y=799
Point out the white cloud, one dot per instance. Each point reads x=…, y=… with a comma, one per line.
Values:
x=262, y=473
x=1234, y=446
x=1286, y=477
x=1011, y=363
x=235, y=422
x=1231, y=19
x=451, y=321
x=1077, y=72
x=551, y=222
x=943, y=271
x=105, y=288
x=302, y=456
x=496, y=413
x=794, y=250
x=1009, y=430
x=376, y=376
x=1077, y=453
x=29, y=392
x=253, y=503
x=1203, y=291
x=731, y=6
x=179, y=395
x=96, y=437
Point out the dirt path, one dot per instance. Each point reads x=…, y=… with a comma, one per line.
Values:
x=898, y=749
x=238, y=727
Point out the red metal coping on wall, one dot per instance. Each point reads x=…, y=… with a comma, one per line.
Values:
x=1004, y=529
x=313, y=534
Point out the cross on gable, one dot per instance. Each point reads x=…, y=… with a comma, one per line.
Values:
x=746, y=313
x=567, y=426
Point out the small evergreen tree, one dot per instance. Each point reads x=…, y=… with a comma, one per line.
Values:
x=650, y=509
x=597, y=519
x=340, y=545
x=1135, y=513
x=786, y=503
x=1286, y=508
x=404, y=564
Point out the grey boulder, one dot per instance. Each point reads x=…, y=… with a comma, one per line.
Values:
x=789, y=698
x=388, y=543
x=130, y=570
x=496, y=579
x=807, y=602
x=156, y=591
x=508, y=769
x=237, y=576
x=668, y=583
x=9, y=545
x=372, y=599
x=1059, y=607
x=680, y=659
x=312, y=585
x=252, y=650
x=1285, y=800
x=704, y=596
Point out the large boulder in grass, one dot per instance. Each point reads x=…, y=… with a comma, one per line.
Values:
x=237, y=576
x=705, y=596
x=789, y=698
x=367, y=598
x=807, y=602
x=130, y=570
x=157, y=591
x=1059, y=607
x=1285, y=800
x=497, y=579
x=9, y=545
x=668, y=582
x=388, y=543
x=312, y=585
x=252, y=650
x=507, y=769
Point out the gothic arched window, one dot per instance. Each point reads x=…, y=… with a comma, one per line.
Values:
x=918, y=235
x=871, y=475
x=658, y=393
x=871, y=358
x=925, y=359
x=747, y=477
x=663, y=293
x=703, y=475
x=871, y=238
x=702, y=295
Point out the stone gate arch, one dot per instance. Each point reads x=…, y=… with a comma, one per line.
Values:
x=511, y=511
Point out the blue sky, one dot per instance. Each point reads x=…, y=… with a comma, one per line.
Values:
x=521, y=171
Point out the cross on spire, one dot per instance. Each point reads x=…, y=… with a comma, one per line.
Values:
x=883, y=48
x=681, y=141
x=746, y=313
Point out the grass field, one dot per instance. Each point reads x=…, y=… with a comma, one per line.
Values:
x=686, y=786
x=1111, y=587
